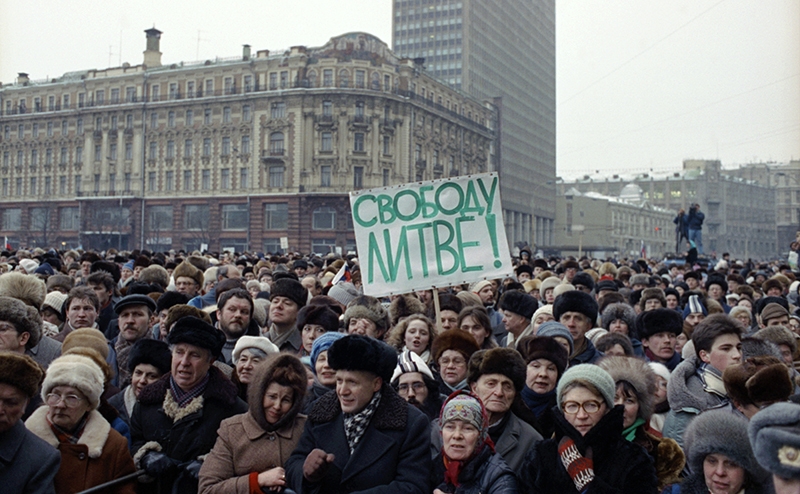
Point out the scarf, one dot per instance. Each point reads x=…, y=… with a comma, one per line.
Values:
x=182, y=398
x=458, y=387
x=453, y=468
x=425, y=356
x=630, y=433
x=662, y=407
x=712, y=380
x=536, y=402
x=123, y=349
x=355, y=424
x=70, y=437
x=278, y=339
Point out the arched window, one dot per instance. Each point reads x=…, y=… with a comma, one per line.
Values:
x=376, y=81
x=344, y=78
x=312, y=78
x=276, y=144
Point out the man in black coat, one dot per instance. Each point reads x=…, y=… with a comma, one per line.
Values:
x=176, y=419
x=364, y=437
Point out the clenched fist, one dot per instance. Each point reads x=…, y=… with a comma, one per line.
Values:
x=316, y=464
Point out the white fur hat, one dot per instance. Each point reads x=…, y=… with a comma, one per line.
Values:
x=260, y=342
x=77, y=371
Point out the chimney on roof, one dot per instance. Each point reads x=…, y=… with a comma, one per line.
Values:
x=22, y=78
x=152, y=55
x=245, y=52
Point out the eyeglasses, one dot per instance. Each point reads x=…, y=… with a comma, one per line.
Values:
x=572, y=407
x=417, y=387
x=444, y=362
x=71, y=401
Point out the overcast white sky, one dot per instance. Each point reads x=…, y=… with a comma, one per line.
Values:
x=641, y=83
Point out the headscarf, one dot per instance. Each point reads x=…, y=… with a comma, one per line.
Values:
x=465, y=406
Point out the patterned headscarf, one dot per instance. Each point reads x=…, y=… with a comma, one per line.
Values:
x=466, y=406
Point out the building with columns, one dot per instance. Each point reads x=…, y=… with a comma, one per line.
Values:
x=235, y=152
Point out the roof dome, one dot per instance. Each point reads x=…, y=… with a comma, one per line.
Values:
x=631, y=193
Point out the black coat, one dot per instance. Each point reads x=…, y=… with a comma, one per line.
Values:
x=487, y=473
x=183, y=434
x=620, y=467
x=392, y=457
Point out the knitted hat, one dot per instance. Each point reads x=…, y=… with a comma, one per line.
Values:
x=549, y=283
x=504, y=361
x=635, y=372
x=575, y=301
x=479, y=285
x=185, y=269
x=260, y=342
x=197, y=332
x=657, y=321
x=592, y=374
x=77, y=371
x=86, y=338
x=169, y=299
x=55, y=300
x=20, y=371
x=460, y=341
x=595, y=334
x=562, y=288
x=465, y=406
x=757, y=381
x=362, y=353
x=555, y=328
x=152, y=352
x=545, y=309
x=131, y=300
x=343, y=292
x=128, y=265
x=322, y=344
x=772, y=311
x=291, y=289
x=545, y=347
x=367, y=307
x=619, y=311
x=409, y=361
x=44, y=269
x=718, y=431
x=519, y=303
x=694, y=306
x=320, y=315
x=775, y=437
x=29, y=265
x=660, y=370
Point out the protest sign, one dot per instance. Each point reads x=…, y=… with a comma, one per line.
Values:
x=430, y=234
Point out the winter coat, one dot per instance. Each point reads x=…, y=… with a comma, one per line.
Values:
x=589, y=355
x=124, y=402
x=681, y=225
x=695, y=221
x=100, y=456
x=45, y=351
x=315, y=392
x=696, y=484
x=487, y=473
x=244, y=447
x=392, y=457
x=28, y=465
x=620, y=467
x=184, y=434
x=668, y=457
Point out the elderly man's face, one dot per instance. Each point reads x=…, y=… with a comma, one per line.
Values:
x=12, y=406
x=190, y=364
x=355, y=389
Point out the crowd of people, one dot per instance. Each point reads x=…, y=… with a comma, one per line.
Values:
x=221, y=373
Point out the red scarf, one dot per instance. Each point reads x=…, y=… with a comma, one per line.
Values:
x=452, y=468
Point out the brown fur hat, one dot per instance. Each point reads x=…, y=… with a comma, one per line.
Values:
x=28, y=289
x=779, y=335
x=22, y=372
x=188, y=270
x=367, y=307
x=286, y=370
x=771, y=283
x=639, y=375
x=454, y=339
x=178, y=311
x=505, y=361
x=758, y=380
x=404, y=306
x=545, y=347
x=656, y=293
x=198, y=262
x=60, y=281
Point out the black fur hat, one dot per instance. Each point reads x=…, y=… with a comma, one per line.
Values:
x=519, y=303
x=362, y=353
x=505, y=361
x=168, y=299
x=197, y=332
x=318, y=314
x=658, y=321
x=575, y=301
x=448, y=301
x=291, y=289
x=153, y=352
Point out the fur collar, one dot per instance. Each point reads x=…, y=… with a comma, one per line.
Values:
x=391, y=414
x=94, y=434
x=220, y=388
x=176, y=413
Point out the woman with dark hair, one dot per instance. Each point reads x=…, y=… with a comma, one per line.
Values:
x=414, y=333
x=252, y=447
x=475, y=320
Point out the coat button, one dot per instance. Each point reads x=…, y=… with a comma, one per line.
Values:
x=271, y=438
x=82, y=456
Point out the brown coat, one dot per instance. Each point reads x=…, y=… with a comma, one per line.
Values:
x=100, y=456
x=243, y=447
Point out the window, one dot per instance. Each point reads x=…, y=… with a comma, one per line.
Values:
x=387, y=82
x=159, y=218
x=226, y=146
x=245, y=145
x=127, y=182
x=129, y=121
x=34, y=190
x=49, y=129
x=209, y=87
x=114, y=122
x=112, y=182
x=246, y=113
x=112, y=151
x=69, y=218
x=312, y=78
x=195, y=216
x=20, y=131
x=344, y=78
x=206, y=179
x=79, y=126
x=324, y=218
x=63, y=156
x=207, y=116
x=115, y=95
x=130, y=94
x=284, y=79
x=187, y=180
x=51, y=103
x=276, y=176
x=225, y=178
x=64, y=127
x=248, y=83
x=5, y=187
x=243, y=178
x=228, y=85
x=235, y=217
x=326, y=142
x=325, y=175
x=170, y=180
x=276, y=144
x=187, y=148
x=327, y=77
x=278, y=110
x=358, y=177
x=34, y=157
x=151, y=181
x=171, y=119
x=359, y=111
x=327, y=108
x=81, y=100
x=128, y=151
x=6, y=158
x=18, y=186
x=386, y=145
x=189, y=118
x=78, y=180
x=226, y=114
x=48, y=156
x=7, y=132
x=360, y=78
x=273, y=80
x=323, y=246
x=273, y=246
x=153, y=150
x=40, y=219
x=190, y=89
x=276, y=216
x=173, y=90
x=206, y=147
x=12, y=219
x=100, y=96
x=385, y=177
x=37, y=104
x=358, y=142
x=62, y=185
x=96, y=183
x=154, y=120
x=20, y=157
x=35, y=130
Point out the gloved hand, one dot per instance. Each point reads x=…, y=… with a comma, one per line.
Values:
x=316, y=464
x=156, y=463
x=579, y=467
x=193, y=469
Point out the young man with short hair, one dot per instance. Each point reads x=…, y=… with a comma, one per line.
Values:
x=578, y=312
x=658, y=330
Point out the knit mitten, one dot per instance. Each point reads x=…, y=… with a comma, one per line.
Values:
x=580, y=468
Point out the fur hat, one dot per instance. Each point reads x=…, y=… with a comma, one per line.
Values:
x=343, y=292
x=21, y=371
x=197, y=332
x=754, y=347
x=109, y=267
x=772, y=311
x=179, y=311
x=779, y=335
x=518, y=303
x=152, y=352
x=640, y=279
x=771, y=283
x=504, y=361
x=635, y=372
x=141, y=261
x=154, y=275
x=722, y=432
x=660, y=370
x=657, y=321
x=370, y=308
x=549, y=283
x=24, y=317
x=29, y=289
x=623, y=312
x=606, y=285
x=186, y=269
x=291, y=289
x=409, y=361
x=562, y=288
x=450, y=302
x=544, y=309
x=775, y=437
x=545, y=347
x=259, y=342
x=585, y=279
x=555, y=328
x=650, y=293
x=575, y=301
x=86, y=338
x=758, y=380
x=322, y=344
x=286, y=370
x=130, y=300
x=362, y=353
x=523, y=268
x=460, y=341
x=78, y=371
x=404, y=306
x=320, y=315
x=169, y=299
x=717, y=279
x=592, y=374
x=59, y=282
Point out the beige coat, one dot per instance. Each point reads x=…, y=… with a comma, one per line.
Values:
x=243, y=447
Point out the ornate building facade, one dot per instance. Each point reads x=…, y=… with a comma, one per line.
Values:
x=248, y=152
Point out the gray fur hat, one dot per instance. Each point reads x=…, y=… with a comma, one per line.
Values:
x=370, y=308
x=638, y=374
x=775, y=437
x=623, y=312
x=722, y=432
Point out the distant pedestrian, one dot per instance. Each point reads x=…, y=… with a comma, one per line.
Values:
x=695, y=225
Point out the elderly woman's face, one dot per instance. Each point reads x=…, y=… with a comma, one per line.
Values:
x=583, y=408
x=246, y=365
x=722, y=475
x=541, y=376
x=325, y=375
x=618, y=326
x=278, y=400
x=67, y=405
x=541, y=319
x=459, y=439
x=744, y=318
x=363, y=326
x=452, y=367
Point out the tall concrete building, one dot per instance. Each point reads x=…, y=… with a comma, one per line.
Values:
x=502, y=52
